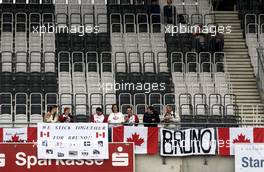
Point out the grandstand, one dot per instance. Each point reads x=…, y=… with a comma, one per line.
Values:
x=45, y=62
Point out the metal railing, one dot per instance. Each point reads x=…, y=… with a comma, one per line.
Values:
x=260, y=73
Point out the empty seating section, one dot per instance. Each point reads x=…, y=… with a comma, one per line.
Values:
x=138, y=45
x=201, y=85
x=85, y=63
x=126, y=57
x=27, y=61
x=83, y=80
x=76, y=13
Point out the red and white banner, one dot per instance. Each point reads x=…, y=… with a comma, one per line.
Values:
x=18, y=134
x=228, y=137
x=144, y=138
x=23, y=158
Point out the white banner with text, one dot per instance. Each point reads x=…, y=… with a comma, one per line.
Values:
x=72, y=141
x=249, y=157
x=187, y=142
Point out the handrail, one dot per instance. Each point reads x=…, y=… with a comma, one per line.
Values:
x=166, y=123
x=260, y=73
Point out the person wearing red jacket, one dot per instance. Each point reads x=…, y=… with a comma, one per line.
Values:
x=98, y=117
x=131, y=118
x=66, y=116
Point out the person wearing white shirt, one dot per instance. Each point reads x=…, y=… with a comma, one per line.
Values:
x=115, y=117
x=170, y=118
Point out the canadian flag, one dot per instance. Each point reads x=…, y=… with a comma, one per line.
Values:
x=44, y=134
x=18, y=134
x=100, y=134
x=228, y=137
x=145, y=139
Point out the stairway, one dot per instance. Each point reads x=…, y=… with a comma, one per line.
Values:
x=239, y=67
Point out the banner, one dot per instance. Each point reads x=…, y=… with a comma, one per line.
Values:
x=249, y=157
x=229, y=137
x=187, y=142
x=18, y=134
x=23, y=158
x=72, y=141
x=144, y=138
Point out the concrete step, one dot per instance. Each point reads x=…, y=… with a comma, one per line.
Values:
x=236, y=30
x=224, y=18
x=227, y=43
x=240, y=76
x=245, y=87
x=246, y=94
x=230, y=53
x=234, y=34
x=226, y=12
x=246, y=101
x=229, y=24
x=243, y=80
x=234, y=54
x=226, y=49
x=244, y=70
x=227, y=20
x=232, y=40
x=230, y=62
x=237, y=76
x=239, y=65
x=228, y=36
x=244, y=60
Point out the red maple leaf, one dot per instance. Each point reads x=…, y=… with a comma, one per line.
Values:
x=15, y=138
x=241, y=139
x=136, y=139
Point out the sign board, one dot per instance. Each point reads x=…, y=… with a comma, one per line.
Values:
x=249, y=158
x=22, y=157
x=72, y=141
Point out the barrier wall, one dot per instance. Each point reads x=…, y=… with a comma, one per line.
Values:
x=185, y=164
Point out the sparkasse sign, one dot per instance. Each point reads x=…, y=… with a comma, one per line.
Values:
x=23, y=158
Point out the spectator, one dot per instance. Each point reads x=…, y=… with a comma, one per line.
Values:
x=52, y=115
x=219, y=42
x=115, y=117
x=151, y=117
x=154, y=7
x=154, y=11
x=170, y=117
x=131, y=118
x=199, y=41
x=66, y=116
x=99, y=117
x=169, y=12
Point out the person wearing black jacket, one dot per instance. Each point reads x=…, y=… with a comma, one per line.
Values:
x=169, y=12
x=151, y=117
